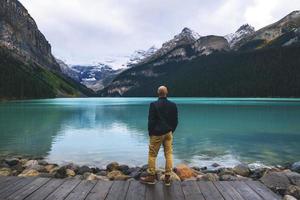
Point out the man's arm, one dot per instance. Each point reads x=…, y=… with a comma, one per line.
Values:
x=151, y=118
x=175, y=118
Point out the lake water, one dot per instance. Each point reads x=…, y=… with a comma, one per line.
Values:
x=96, y=131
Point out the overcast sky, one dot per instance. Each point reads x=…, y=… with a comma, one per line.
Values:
x=89, y=31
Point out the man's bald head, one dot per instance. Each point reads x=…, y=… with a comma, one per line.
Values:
x=162, y=91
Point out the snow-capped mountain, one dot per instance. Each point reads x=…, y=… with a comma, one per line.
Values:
x=139, y=55
x=243, y=32
x=95, y=77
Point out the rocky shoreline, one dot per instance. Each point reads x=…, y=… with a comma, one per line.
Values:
x=282, y=180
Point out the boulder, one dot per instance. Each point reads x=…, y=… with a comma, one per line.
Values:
x=296, y=167
x=92, y=177
x=184, y=172
x=174, y=177
x=83, y=169
x=226, y=171
x=111, y=175
x=144, y=167
x=242, y=169
x=29, y=173
x=31, y=163
x=112, y=166
x=95, y=170
x=215, y=165
x=50, y=167
x=277, y=181
x=73, y=167
x=294, y=177
x=70, y=173
x=61, y=172
x=53, y=170
x=288, y=197
x=12, y=161
x=135, y=172
x=102, y=173
x=196, y=168
x=208, y=177
x=117, y=175
x=42, y=162
x=5, y=172
x=258, y=173
x=124, y=169
x=18, y=168
x=294, y=191
x=38, y=168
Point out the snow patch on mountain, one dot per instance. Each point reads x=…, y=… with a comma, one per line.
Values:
x=244, y=31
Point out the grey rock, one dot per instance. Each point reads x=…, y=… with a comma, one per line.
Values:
x=288, y=197
x=242, y=169
x=215, y=165
x=42, y=162
x=102, y=173
x=12, y=161
x=294, y=191
x=293, y=177
x=73, y=167
x=144, y=167
x=124, y=169
x=38, y=168
x=277, y=181
x=83, y=169
x=95, y=170
x=296, y=167
x=61, y=172
x=196, y=168
x=112, y=166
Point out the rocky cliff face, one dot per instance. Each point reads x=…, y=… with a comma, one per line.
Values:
x=283, y=29
x=209, y=44
x=243, y=32
x=20, y=34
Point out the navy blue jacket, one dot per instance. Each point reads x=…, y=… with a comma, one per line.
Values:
x=163, y=117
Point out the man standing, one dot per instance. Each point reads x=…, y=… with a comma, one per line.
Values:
x=162, y=122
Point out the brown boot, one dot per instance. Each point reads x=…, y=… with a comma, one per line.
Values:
x=167, y=180
x=150, y=179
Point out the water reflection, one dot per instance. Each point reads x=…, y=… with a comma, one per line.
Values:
x=97, y=131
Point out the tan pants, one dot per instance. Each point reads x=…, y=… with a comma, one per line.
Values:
x=154, y=146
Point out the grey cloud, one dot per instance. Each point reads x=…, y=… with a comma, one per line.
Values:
x=85, y=31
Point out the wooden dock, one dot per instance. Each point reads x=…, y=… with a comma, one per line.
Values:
x=16, y=188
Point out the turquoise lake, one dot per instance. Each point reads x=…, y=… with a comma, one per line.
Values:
x=96, y=131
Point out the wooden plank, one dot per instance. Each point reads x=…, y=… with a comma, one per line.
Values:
x=230, y=190
x=45, y=190
x=28, y=189
x=100, y=191
x=4, y=178
x=262, y=190
x=223, y=191
x=209, y=191
x=155, y=191
x=81, y=191
x=245, y=191
x=174, y=191
x=15, y=187
x=136, y=191
x=191, y=190
x=8, y=180
x=62, y=191
x=118, y=190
